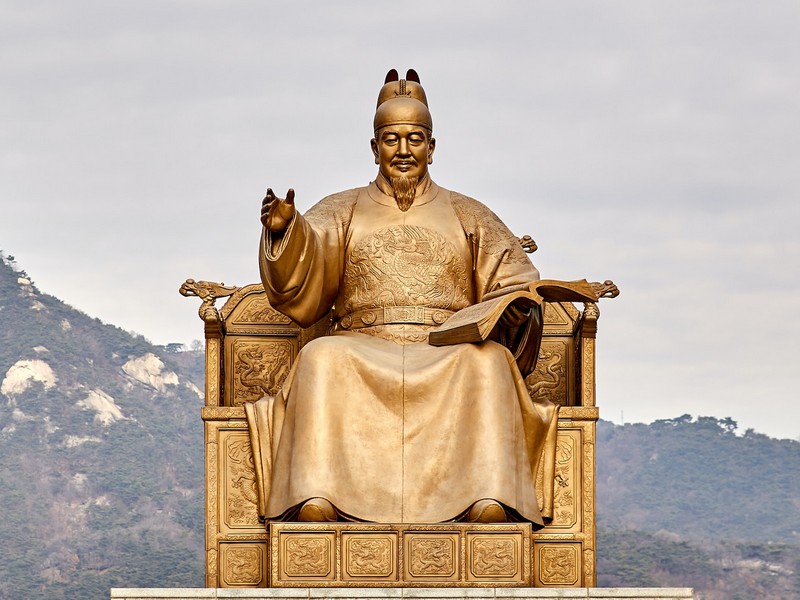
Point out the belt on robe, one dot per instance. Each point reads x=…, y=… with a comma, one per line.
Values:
x=393, y=315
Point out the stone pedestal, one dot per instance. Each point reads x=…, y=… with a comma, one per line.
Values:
x=398, y=593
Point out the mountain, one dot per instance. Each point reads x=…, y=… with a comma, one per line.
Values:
x=699, y=479
x=101, y=461
x=690, y=502
x=716, y=570
x=101, y=474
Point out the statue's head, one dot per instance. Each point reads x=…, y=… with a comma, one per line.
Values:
x=403, y=144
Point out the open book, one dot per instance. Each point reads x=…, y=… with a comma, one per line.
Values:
x=475, y=323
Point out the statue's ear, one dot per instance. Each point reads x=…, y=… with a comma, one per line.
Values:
x=411, y=75
x=373, y=143
x=391, y=76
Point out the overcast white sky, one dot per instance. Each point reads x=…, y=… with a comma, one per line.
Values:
x=653, y=143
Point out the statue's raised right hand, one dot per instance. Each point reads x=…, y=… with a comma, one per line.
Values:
x=277, y=213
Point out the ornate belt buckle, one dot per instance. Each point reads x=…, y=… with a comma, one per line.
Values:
x=404, y=314
x=439, y=317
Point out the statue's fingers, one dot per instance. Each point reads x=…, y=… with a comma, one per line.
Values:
x=266, y=203
x=290, y=196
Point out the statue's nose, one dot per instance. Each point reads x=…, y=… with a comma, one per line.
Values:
x=403, y=147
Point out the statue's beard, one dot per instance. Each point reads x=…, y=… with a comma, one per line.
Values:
x=405, y=190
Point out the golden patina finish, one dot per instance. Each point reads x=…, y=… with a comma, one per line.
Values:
x=320, y=383
x=400, y=554
x=375, y=420
x=231, y=489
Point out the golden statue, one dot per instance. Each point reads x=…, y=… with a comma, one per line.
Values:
x=373, y=423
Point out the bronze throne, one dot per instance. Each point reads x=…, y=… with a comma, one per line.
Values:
x=250, y=348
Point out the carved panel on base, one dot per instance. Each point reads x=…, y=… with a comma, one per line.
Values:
x=408, y=555
x=495, y=557
x=557, y=564
x=242, y=565
x=369, y=555
x=432, y=556
x=306, y=556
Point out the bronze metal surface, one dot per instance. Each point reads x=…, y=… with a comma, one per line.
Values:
x=374, y=419
x=400, y=555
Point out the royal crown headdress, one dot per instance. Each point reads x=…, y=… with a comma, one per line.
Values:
x=402, y=101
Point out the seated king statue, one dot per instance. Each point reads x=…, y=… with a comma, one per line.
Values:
x=373, y=423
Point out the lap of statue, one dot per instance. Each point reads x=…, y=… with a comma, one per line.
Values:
x=401, y=433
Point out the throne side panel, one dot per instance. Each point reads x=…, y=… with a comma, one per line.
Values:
x=256, y=364
x=236, y=543
x=564, y=550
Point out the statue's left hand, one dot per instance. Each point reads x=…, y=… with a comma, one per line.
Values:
x=514, y=316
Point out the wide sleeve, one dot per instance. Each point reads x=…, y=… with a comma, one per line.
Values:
x=302, y=269
x=499, y=262
x=498, y=258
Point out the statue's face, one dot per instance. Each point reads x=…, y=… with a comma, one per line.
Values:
x=403, y=151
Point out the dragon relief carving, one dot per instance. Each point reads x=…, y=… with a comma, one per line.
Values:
x=242, y=496
x=548, y=381
x=243, y=565
x=558, y=565
x=409, y=265
x=259, y=369
x=563, y=496
x=307, y=556
x=493, y=557
x=369, y=557
x=259, y=311
x=432, y=557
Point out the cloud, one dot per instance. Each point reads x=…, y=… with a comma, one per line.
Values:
x=651, y=143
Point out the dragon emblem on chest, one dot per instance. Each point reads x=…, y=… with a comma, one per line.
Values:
x=404, y=265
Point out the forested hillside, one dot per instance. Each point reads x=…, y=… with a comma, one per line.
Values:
x=699, y=479
x=100, y=453
x=690, y=502
x=101, y=482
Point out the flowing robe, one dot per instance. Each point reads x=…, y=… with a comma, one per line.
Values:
x=372, y=418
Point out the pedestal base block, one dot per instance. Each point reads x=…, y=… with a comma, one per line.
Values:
x=378, y=555
x=400, y=593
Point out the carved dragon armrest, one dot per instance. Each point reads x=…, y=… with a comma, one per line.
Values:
x=208, y=292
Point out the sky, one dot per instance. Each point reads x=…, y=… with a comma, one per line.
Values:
x=654, y=143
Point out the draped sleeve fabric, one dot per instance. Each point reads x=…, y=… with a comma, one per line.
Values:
x=498, y=258
x=302, y=269
x=499, y=262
